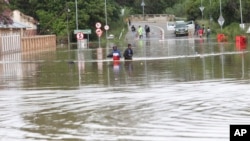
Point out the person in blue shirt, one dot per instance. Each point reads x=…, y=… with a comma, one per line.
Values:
x=115, y=54
x=128, y=53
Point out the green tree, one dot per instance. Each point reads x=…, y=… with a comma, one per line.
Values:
x=230, y=10
x=5, y=13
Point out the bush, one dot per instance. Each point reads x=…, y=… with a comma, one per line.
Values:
x=233, y=30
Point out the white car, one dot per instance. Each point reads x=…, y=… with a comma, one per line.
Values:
x=170, y=26
x=190, y=25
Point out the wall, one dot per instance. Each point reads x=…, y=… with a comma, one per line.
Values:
x=152, y=17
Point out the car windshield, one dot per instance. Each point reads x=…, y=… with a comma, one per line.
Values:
x=180, y=25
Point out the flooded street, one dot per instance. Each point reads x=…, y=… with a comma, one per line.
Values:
x=174, y=90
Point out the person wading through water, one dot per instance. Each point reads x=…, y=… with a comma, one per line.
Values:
x=115, y=54
x=128, y=53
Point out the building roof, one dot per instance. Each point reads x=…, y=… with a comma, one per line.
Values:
x=14, y=25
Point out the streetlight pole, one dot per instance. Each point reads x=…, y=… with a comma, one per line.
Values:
x=241, y=17
x=241, y=13
x=220, y=8
x=210, y=16
x=68, y=10
x=106, y=20
x=220, y=15
x=76, y=15
x=143, y=4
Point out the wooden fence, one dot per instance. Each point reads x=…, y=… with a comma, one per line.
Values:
x=13, y=42
x=38, y=42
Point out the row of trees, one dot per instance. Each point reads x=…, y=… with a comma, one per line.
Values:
x=230, y=10
x=53, y=15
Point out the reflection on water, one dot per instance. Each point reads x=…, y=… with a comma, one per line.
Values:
x=173, y=90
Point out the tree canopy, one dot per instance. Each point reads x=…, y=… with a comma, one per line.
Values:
x=5, y=13
x=53, y=15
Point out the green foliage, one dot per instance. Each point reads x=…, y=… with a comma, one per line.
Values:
x=230, y=10
x=192, y=9
x=5, y=13
x=53, y=15
x=233, y=30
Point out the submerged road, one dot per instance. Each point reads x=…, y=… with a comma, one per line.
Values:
x=158, y=31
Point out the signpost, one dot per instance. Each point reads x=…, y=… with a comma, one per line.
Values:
x=98, y=25
x=98, y=32
x=106, y=27
x=202, y=9
x=82, y=31
x=80, y=40
x=79, y=36
x=143, y=4
x=221, y=20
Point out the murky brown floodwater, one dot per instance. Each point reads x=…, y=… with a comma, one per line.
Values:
x=174, y=90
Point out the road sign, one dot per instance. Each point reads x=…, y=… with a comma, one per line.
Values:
x=221, y=20
x=98, y=25
x=143, y=3
x=98, y=32
x=84, y=31
x=202, y=8
x=79, y=36
x=106, y=27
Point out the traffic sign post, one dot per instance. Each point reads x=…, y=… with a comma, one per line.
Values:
x=221, y=21
x=98, y=31
x=98, y=25
x=106, y=27
x=80, y=40
x=99, y=34
x=83, y=31
x=79, y=36
x=202, y=9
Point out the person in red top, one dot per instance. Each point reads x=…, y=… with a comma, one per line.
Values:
x=200, y=32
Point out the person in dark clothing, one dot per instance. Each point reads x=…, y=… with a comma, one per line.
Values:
x=133, y=29
x=147, y=30
x=129, y=22
x=128, y=53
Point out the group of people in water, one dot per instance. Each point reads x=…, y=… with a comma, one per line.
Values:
x=138, y=33
x=116, y=53
x=201, y=31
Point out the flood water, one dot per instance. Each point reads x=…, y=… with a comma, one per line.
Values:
x=173, y=90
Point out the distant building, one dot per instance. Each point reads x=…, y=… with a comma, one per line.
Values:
x=24, y=24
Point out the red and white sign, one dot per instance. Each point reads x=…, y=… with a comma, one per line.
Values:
x=98, y=25
x=106, y=27
x=79, y=36
x=98, y=32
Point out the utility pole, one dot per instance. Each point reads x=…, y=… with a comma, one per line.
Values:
x=76, y=15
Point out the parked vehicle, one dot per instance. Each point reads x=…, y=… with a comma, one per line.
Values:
x=190, y=25
x=170, y=26
x=181, y=28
